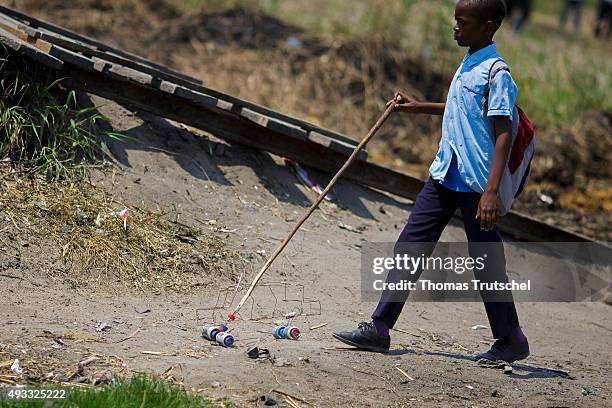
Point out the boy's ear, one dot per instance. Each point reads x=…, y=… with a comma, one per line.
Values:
x=490, y=27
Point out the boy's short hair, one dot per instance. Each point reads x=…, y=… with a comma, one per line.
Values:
x=494, y=10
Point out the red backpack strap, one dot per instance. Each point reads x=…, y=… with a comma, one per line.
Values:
x=524, y=136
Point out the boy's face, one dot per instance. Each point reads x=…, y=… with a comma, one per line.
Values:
x=470, y=30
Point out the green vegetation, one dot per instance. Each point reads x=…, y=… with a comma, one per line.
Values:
x=42, y=131
x=139, y=392
x=562, y=76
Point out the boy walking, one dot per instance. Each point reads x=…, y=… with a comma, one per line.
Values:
x=466, y=173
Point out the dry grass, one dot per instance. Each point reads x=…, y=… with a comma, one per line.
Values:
x=56, y=365
x=91, y=246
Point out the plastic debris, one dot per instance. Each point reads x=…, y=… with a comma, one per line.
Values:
x=187, y=239
x=268, y=400
x=292, y=333
x=307, y=179
x=123, y=215
x=293, y=42
x=546, y=199
x=279, y=332
x=102, y=326
x=286, y=332
x=588, y=391
x=16, y=367
x=255, y=352
x=225, y=339
x=210, y=332
x=218, y=334
x=479, y=327
x=349, y=228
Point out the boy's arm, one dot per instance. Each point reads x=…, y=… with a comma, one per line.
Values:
x=411, y=105
x=429, y=108
x=488, y=205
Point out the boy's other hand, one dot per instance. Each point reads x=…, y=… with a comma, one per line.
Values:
x=404, y=103
x=488, y=210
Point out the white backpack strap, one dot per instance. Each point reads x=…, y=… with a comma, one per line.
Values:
x=498, y=65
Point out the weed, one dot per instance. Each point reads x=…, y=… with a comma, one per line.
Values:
x=42, y=130
x=140, y=391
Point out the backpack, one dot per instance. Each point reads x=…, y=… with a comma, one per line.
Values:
x=516, y=173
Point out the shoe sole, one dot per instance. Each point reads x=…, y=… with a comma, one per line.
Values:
x=360, y=346
x=519, y=357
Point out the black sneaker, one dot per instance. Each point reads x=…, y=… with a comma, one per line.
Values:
x=505, y=350
x=365, y=338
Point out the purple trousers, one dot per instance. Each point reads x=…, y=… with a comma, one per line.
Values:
x=433, y=209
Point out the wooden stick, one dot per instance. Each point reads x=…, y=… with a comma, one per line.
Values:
x=87, y=361
x=157, y=353
x=406, y=332
x=286, y=394
x=129, y=337
x=297, y=226
x=292, y=402
x=404, y=373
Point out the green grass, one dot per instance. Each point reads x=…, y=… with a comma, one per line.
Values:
x=561, y=76
x=554, y=7
x=42, y=130
x=139, y=392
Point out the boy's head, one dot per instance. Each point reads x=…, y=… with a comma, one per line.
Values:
x=477, y=21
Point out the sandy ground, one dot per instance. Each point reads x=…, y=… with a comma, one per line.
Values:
x=166, y=167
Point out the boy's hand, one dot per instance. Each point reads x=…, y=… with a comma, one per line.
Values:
x=404, y=103
x=487, y=210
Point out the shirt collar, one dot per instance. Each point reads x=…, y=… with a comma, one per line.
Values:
x=480, y=55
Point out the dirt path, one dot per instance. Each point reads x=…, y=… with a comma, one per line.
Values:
x=166, y=167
